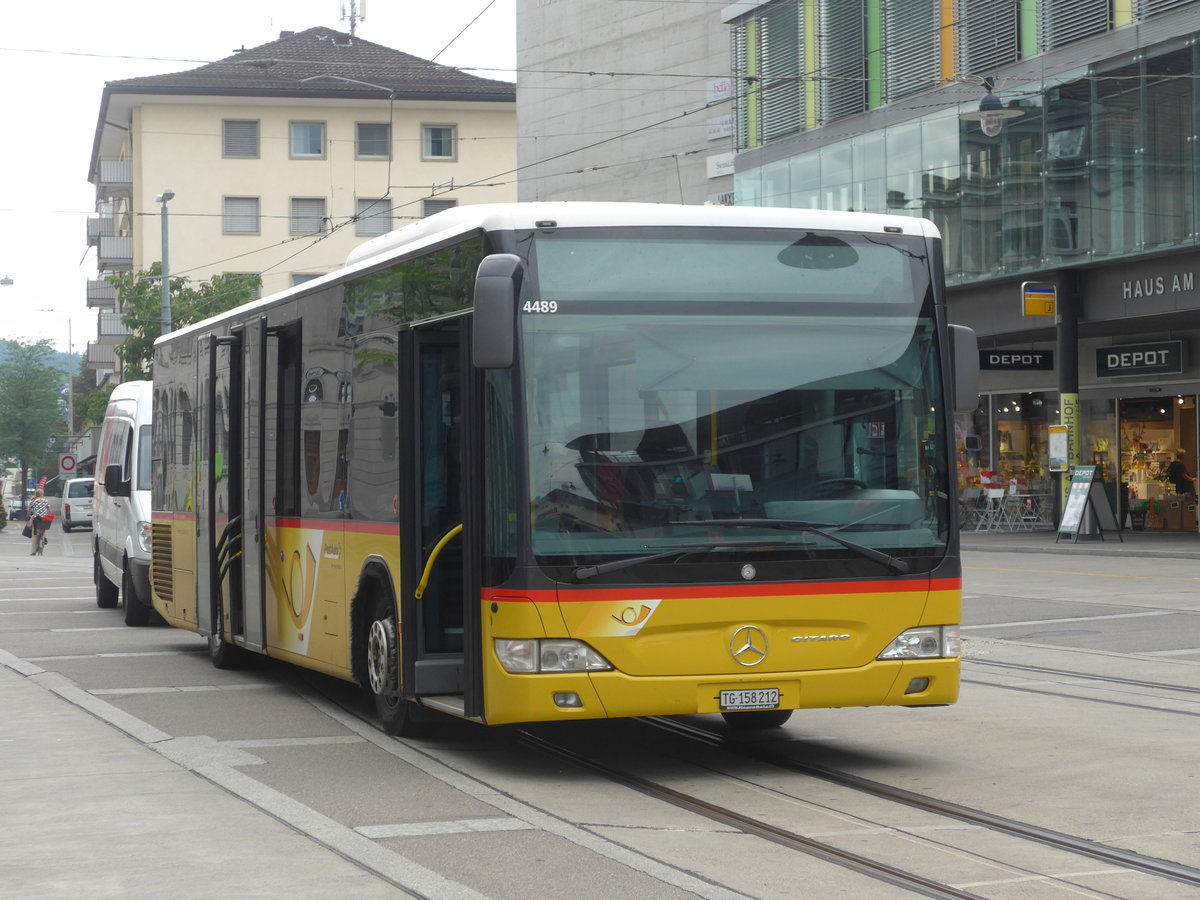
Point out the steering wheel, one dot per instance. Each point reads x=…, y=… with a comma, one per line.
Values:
x=826, y=484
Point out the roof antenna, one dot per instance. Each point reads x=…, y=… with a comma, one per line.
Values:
x=358, y=12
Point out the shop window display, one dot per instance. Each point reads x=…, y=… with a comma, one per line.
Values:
x=1153, y=434
x=1022, y=435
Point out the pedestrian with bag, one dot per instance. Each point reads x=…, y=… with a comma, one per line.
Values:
x=39, y=520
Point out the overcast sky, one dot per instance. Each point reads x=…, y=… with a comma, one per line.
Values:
x=55, y=57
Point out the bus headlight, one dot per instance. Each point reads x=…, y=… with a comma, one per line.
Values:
x=549, y=655
x=934, y=642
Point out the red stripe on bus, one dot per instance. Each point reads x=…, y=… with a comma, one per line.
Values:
x=702, y=591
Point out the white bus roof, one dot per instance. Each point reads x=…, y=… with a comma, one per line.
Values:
x=461, y=220
x=583, y=214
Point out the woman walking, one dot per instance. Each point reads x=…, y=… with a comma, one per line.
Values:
x=39, y=509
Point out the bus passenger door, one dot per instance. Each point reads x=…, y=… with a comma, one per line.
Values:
x=253, y=396
x=219, y=531
x=205, y=425
x=440, y=639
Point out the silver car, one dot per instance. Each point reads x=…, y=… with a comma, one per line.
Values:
x=77, y=503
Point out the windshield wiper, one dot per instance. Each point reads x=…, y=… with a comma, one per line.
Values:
x=894, y=564
x=583, y=573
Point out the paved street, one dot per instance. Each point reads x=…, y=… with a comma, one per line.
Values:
x=130, y=767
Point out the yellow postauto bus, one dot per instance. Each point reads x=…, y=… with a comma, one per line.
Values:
x=556, y=461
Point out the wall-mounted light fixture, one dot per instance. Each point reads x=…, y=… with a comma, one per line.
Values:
x=991, y=113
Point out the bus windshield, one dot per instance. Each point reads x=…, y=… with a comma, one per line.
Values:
x=646, y=418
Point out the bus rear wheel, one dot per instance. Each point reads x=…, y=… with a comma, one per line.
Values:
x=756, y=719
x=397, y=715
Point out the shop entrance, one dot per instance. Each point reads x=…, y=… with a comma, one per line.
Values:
x=1156, y=432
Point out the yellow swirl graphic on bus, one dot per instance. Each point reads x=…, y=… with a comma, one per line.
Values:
x=617, y=619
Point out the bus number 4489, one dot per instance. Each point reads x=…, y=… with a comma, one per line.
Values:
x=540, y=306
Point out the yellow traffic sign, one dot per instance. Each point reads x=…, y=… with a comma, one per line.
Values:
x=1038, y=298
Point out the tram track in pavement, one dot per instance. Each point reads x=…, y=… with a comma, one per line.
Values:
x=1115, y=856
x=590, y=760
x=1187, y=691
x=1107, y=679
x=753, y=826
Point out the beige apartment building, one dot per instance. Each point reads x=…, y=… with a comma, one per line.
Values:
x=278, y=160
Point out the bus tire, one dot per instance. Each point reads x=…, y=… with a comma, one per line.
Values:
x=137, y=613
x=397, y=716
x=107, y=593
x=221, y=653
x=756, y=719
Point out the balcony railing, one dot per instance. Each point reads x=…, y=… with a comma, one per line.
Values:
x=115, y=176
x=101, y=294
x=115, y=253
x=100, y=356
x=98, y=227
x=110, y=328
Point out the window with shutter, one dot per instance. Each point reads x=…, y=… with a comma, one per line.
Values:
x=240, y=138
x=308, y=215
x=1147, y=8
x=241, y=215
x=373, y=216
x=912, y=56
x=842, y=45
x=783, y=65
x=431, y=207
x=987, y=36
x=741, y=74
x=373, y=140
x=1063, y=21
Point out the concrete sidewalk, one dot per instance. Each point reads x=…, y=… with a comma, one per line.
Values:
x=90, y=810
x=1151, y=544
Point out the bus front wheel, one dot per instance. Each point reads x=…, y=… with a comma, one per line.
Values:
x=397, y=715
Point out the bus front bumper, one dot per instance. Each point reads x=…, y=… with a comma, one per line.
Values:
x=598, y=695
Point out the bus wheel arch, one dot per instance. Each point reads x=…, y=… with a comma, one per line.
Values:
x=377, y=662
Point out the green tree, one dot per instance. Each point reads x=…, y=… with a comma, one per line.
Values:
x=30, y=404
x=90, y=400
x=141, y=309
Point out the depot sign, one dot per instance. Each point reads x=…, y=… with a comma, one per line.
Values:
x=1017, y=360
x=1162, y=358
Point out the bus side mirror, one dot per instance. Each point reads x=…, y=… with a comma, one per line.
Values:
x=964, y=368
x=114, y=484
x=497, y=287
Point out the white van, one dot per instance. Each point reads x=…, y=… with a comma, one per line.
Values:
x=77, y=503
x=121, y=549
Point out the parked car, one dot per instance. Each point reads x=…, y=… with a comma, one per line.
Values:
x=77, y=503
x=16, y=508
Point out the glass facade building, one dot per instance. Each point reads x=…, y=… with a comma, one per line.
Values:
x=1089, y=185
x=1100, y=165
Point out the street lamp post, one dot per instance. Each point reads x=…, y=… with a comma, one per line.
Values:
x=162, y=198
x=70, y=385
